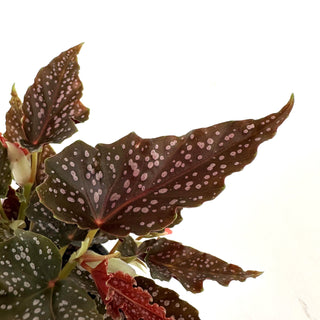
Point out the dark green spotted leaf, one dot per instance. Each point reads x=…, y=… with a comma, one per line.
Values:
x=139, y=185
x=167, y=259
x=14, y=131
x=5, y=231
x=83, y=278
x=180, y=309
x=5, y=171
x=128, y=247
x=29, y=289
x=52, y=104
x=59, y=232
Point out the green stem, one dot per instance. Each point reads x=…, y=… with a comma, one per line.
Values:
x=23, y=206
x=63, y=250
x=71, y=264
x=67, y=270
x=34, y=166
x=31, y=225
x=28, y=186
x=91, y=234
x=116, y=246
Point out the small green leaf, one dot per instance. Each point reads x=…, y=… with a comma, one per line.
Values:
x=5, y=171
x=128, y=247
x=140, y=185
x=167, y=259
x=52, y=104
x=169, y=299
x=29, y=285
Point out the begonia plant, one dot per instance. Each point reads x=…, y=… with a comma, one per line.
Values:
x=58, y=210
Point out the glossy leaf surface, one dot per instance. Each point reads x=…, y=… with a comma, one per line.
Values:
x=167, y=259
x=119, y=294
x=5, y=171
x=52, y=104
x=29, y=267
x=169, y=299
x=139, y=185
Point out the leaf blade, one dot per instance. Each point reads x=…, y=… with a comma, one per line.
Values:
x=169, y=299
x=14, y=131
x=60, y=233
x=52, y=104
x=140, y=185
x=119, y=294
x=167, y=259
x=29, y=287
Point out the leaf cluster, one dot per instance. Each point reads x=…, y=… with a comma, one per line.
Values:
x=64, y=207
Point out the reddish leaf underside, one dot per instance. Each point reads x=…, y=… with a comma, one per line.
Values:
x=139, y=185
x=52, y=104
x=190, y=267
x=119, y=294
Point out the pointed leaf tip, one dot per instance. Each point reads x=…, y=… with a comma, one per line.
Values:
x=52, y=105
x=139, y=185
x=167, y=259
x=288, y=107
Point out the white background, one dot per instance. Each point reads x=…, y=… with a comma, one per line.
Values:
x=166, y=67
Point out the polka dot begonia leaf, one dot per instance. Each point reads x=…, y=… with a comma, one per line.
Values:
x=14, y=131
x=5, y=171
x=176, y=307
x=29, y=285
x=59, y=232
x=137, y=185
x=83, y=278
x=52, y=106
x=167, y=259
